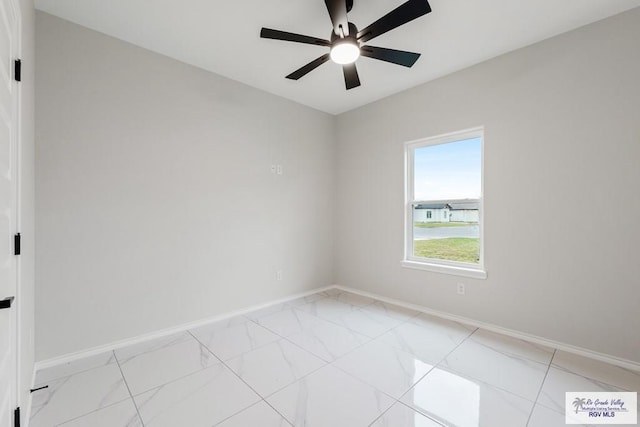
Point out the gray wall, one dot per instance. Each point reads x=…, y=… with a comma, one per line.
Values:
x=562, y=134
x=156, y=204
x=26, y=298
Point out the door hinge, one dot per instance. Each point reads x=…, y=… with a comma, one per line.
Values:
x=17, y=70
x=16, y=244
x=16, y=417
x=6, y=303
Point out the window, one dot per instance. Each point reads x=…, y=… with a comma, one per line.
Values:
x=444, y=173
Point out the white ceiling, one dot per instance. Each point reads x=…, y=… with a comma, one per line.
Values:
x=223, y=37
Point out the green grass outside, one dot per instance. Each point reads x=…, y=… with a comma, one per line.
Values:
x=442, y=224
x=463, y=249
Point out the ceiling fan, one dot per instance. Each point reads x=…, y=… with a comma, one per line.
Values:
x=346, y=41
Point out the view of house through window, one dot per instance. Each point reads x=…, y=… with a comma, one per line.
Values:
x=444, y=199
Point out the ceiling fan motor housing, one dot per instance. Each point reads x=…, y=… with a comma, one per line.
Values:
x=353, y=32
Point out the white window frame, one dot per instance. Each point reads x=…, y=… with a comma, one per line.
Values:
x=472, y=270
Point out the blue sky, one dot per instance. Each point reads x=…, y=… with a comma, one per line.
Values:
x=448, y=171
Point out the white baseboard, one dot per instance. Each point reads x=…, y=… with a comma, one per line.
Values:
x=70, y=357
x=624, y=363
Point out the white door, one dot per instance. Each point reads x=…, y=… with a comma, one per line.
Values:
x=9, y=33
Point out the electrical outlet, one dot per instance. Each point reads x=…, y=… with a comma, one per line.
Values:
x=460, y=288
x=279, y=275
x=273, y=169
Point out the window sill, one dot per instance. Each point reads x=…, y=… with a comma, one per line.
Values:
x=446, y=269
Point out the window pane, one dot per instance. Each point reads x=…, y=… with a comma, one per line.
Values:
x=448, y=171
x=450, y=233
x=447, y=190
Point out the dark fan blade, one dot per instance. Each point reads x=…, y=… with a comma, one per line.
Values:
x=401, y=15
x=399, y=57
x=351, y=78
x=309, y=67
x=338, y=13
x=268, y=33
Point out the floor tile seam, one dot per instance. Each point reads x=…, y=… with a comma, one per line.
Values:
x=376, y=388
x=282, y=338
x=431, y=416
x=393, y=399
x=398, y=402
x=357, y=307
x=440, y=330
x=458, y=345
x=353, y=330
x=415, y=320
x=417, y=409
x=558, y=411
x=260, y=398
x=591, y=379
x=383, y=412
x=244, y=352
x=342, y=355
x=428, y=416
x=191, y=336
x=329, y=321
x=635, y=372
x=322, y=319
x=373, y=300
x=552, y=409
x=435, y=365
x=293, y=382
x=94, y=411
x=510, y=354
x=360, y=380
x=360, y=307
x=308, y=302
x=326, y=319
x=241, y=379
x=475, y=378
x=417, y=312
x=182, y=341
x=245, y=409
x=115, y=360
x=36, y=385
x=400, y=322
x=301, y=330
x=468, y=337
x=177, y=378
x=309, y=374
x=541, y=387
x=285, y=306
x=387, y=315
x=135, y=405
x=324, y=363
x=267, y=328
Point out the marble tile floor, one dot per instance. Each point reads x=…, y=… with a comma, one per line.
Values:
x=331, y=359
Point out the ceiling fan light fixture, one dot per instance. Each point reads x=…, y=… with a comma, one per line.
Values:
x=345, y=51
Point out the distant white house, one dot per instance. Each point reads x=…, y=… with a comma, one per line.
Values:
x=464, y=212
x=434, y=212
x=447, y=212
